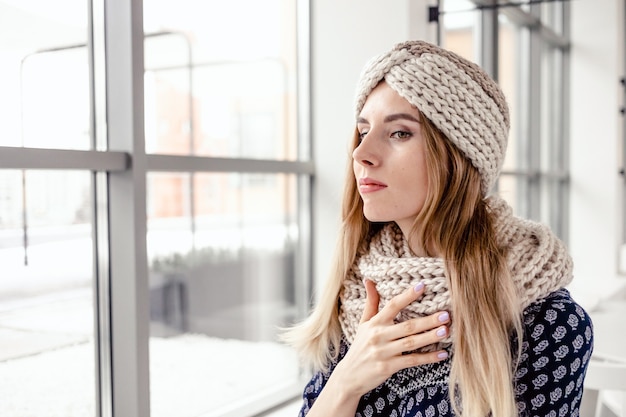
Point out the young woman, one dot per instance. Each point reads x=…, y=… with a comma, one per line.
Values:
x=440, y=302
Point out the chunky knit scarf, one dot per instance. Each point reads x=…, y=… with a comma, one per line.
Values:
x=538, y=262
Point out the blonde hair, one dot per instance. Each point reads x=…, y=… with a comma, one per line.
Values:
x=456, y=224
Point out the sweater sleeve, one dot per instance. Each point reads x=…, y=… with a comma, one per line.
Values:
x=311, y=392
x=314, y=387
x=557, y=346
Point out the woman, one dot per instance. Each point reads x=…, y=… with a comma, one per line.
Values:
x=440, y=302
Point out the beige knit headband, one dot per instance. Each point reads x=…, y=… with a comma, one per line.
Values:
x=456, y=95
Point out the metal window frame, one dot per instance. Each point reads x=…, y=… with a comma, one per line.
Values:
x=622, y=250
x=51, y=159
x=489, y=38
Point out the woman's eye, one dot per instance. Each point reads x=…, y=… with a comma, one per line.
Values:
x=400, y=134
x=362, y=135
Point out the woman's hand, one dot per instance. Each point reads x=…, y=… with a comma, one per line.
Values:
x=377, y=350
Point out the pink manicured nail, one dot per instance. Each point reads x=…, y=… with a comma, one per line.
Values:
x=441, y=332
x=443, y=317
x=442, y=355
x=419, y=287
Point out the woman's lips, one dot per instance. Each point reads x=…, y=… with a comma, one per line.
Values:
x=368, y=185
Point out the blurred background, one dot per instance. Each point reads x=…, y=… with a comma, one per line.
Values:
x=171, y=173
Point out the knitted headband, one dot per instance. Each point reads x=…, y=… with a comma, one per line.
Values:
x=456, y=95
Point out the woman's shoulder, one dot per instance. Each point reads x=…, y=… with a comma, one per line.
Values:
x=557, y=346
x=557, y=320
x=557, y=308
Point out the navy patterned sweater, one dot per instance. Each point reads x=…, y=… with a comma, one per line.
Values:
x=557, y=345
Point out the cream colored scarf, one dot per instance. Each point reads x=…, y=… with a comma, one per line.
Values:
x=538, y=261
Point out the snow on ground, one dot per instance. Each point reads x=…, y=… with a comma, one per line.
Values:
x=191, y=375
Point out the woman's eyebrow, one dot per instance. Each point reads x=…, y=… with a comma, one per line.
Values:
x=399, y=116
x=391, y=118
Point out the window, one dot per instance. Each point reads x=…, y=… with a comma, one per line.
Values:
x=525, y=49
x=221, y=281
x=154, y=205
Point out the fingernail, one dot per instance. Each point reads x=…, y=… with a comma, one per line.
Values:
x=443, y=317
x=419, y=287
x=441, y=332
x=442, y=355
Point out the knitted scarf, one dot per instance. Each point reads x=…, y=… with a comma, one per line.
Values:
x=537, y=259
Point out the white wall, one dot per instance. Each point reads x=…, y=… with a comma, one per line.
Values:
x=346, y=33
x=597, y=58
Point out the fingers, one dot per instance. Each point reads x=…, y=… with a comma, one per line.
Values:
x=410, y=334
x=416, y=359
x=384, y=344
x=371, y=302
x=418, y=325
x=416, y=341
x=401, y=301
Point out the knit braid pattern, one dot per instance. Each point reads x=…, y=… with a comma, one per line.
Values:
x=474, y=71
x=538, y=261
x=455, y=94
x=388, y=262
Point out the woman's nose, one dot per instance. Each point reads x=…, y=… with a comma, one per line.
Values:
x=365, y=153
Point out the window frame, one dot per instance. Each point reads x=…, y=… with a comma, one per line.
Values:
x=621, y=268
x=119, y=166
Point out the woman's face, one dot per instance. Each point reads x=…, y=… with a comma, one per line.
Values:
x=389, y=162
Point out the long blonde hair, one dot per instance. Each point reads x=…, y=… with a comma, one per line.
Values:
x=456, y=224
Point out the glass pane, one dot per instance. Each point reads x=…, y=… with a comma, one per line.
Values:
x=552, y=142
x=508, y=189
x=44, y=74
x=215, y=90
x=509, y=65
x=459, y=22
x=552, y=117
x=552, y=16
x=46, y=299
x=222, y=250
